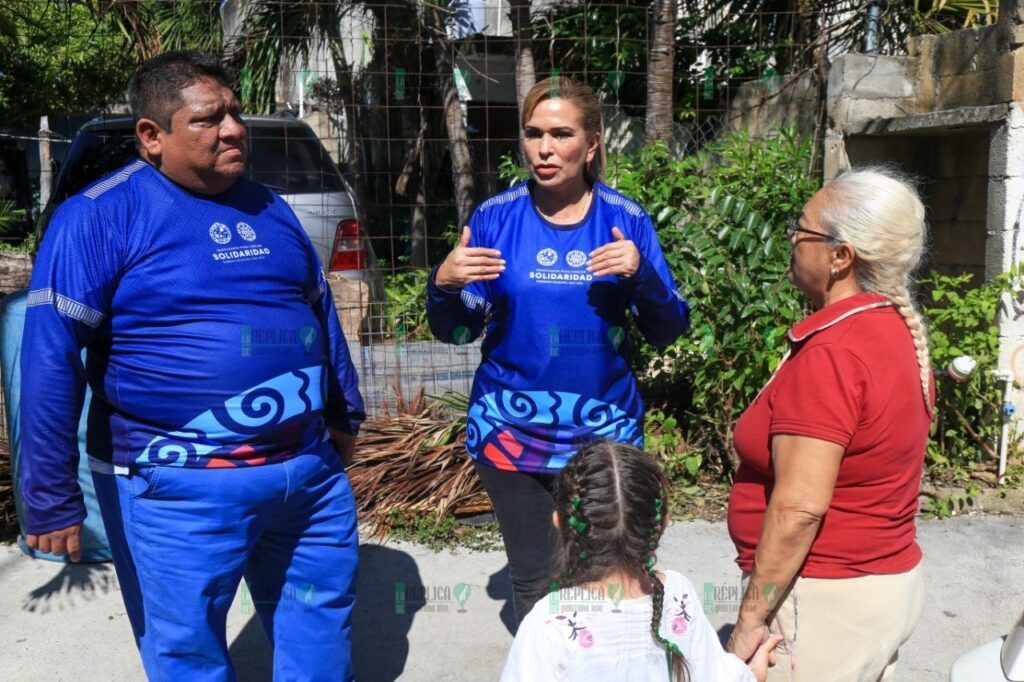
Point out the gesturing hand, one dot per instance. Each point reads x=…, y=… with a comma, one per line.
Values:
x=64, y=541
x=464, y=265
x=618, y=257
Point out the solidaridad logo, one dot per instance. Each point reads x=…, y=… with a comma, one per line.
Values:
x=246, y=232
x=220, y=233
x=576, y=259
x=547, y=257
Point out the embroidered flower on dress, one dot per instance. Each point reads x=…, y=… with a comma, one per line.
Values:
x=578, y=632
x=586, y=639
x=679, y=626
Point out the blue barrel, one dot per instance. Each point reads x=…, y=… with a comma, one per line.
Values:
x=12, y=326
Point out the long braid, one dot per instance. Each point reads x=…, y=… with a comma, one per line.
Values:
x=904, y=304
x=677, y=664
x=577, y=525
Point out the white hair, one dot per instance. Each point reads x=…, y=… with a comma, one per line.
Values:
x=880, y=214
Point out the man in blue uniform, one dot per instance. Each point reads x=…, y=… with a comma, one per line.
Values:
x=212, y=461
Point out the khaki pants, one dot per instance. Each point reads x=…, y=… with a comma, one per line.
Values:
x=845, y=630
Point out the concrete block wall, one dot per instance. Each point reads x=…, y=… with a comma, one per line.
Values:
x=963, y=68
x=953, y=170
x=863, y=88
x=1005, y=238
x=762, y=110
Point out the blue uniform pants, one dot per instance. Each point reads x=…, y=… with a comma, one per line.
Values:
x=182, y=540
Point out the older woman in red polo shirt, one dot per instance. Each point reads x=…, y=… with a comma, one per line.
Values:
x=831, y=450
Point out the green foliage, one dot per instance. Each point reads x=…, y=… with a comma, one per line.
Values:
x=406, y=305
x=720, y=216
x=945, y=506
x=511, y=171
x=10, y=217
x=58, y=57
x=442, y=532
x=664, y=439
x=963, y=321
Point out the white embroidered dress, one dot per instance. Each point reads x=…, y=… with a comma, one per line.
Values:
x=579, y=636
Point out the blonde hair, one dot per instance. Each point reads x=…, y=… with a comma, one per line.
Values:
x=584, y=97
x=879, y=213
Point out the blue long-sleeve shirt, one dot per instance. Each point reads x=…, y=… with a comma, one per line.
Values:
x=211, y=337
x=555, y=369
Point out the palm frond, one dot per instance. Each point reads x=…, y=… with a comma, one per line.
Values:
x=416, y=463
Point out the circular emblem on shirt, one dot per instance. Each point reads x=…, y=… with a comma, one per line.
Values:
x=246, y=232
x=547, y=257
x=220, y=233
x=576, y=259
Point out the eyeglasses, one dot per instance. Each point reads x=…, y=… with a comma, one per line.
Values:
x=793, y=226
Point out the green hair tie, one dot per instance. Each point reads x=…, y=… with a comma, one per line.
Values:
x=578, y=525
x=577, y=502
x=649, y=563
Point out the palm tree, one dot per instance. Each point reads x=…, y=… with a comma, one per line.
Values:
x=435, y=21
x=274, y=32
x=661, y=72
x=522, y=33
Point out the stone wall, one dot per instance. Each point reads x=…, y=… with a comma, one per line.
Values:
x=15, y=271
x=968, y=68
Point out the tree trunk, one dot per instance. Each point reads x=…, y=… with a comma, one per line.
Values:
x=661, y=72
x=346, y=86
x=522, y=33
x=455, y=122
x=415, y=171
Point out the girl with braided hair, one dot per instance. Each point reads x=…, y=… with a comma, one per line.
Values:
x=610, y=616
x=823, y=504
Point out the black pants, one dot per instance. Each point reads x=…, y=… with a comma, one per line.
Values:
x=523, y=504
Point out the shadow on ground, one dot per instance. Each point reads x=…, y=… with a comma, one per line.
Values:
x=389, y=580
x=499, y=588
x=75, y=582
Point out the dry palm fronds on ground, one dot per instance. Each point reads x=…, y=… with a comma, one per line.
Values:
x=416, y=463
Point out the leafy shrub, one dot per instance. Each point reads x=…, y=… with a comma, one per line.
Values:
x=720, y=216
x=406, y=307
x=964, y=321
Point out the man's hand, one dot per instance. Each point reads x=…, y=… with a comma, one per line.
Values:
x=60, y=542
x=746, y=638
x=465, y=265
x=345, y=444
x=618, y=257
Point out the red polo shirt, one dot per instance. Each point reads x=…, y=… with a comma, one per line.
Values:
x=852, y=378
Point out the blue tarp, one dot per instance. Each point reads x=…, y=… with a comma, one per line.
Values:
x=12, y=325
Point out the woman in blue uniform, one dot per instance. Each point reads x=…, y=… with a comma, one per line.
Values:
x=550, y=269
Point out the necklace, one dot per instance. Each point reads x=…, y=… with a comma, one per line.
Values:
x=581, y=212
x=586, y=206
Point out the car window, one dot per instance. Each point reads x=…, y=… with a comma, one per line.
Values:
x=288, y=159
x=291, y=160
x=93, y=154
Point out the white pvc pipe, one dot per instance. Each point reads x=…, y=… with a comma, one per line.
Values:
x=1004, y=431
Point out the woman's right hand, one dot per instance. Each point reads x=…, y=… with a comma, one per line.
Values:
x=465, y=265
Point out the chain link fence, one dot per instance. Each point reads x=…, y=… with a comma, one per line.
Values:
x=383, y=123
